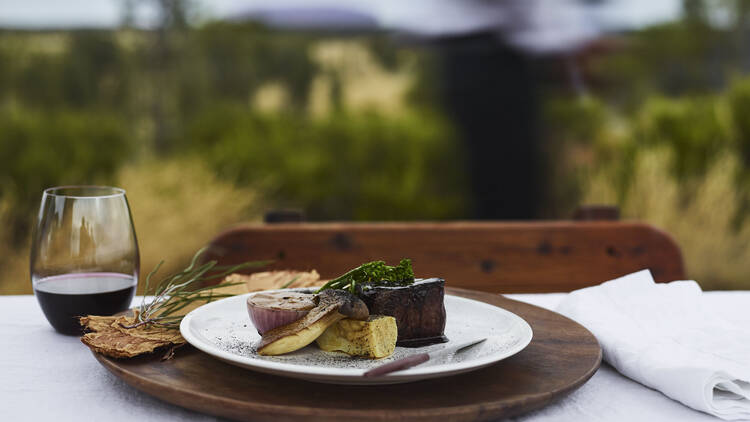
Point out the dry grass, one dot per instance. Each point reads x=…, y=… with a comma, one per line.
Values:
x=14, y=263
x=716, y=251
x=177, y=207
x=365, y=83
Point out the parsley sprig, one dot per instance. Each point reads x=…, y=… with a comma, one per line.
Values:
x=375, y=273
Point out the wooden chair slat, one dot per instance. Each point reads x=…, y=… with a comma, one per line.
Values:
x=500, y=257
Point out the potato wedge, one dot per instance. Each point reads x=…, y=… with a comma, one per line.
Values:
x=374, y=338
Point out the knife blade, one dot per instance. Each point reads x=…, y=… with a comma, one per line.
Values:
x=416, y=359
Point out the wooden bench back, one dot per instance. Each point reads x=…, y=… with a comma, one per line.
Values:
x=501, y=257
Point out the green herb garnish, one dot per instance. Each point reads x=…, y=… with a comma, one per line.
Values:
x=175, y=292
x=374, y=273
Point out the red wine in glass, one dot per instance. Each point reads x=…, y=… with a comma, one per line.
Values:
x=84, y=254
x=64, y=298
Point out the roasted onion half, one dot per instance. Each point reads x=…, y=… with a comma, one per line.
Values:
x=269, y=310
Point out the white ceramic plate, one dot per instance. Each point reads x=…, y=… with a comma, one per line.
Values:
x=223, y=330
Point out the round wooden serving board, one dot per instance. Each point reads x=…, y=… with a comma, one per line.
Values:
x=560, y=358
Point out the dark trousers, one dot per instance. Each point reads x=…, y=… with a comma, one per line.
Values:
x=490, y=93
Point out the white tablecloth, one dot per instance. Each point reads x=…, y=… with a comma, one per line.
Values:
x=45, y=376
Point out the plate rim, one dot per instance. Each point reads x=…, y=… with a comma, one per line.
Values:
x=347, y=375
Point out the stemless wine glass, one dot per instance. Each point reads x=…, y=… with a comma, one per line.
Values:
x=84, y=255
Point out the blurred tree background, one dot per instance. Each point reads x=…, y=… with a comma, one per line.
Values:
x=210, y=125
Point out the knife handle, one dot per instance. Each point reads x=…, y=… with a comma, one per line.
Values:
x=398, y=364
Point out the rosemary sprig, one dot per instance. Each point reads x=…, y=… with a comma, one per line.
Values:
x=176, y=291
x=290, y=282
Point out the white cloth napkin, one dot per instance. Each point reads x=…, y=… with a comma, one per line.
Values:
x=662, y=336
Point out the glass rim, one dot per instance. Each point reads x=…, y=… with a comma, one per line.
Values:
x=107, y=191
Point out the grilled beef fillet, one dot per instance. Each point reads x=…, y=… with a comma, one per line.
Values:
x=418, y=309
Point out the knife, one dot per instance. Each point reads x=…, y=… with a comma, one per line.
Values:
x=414, y=360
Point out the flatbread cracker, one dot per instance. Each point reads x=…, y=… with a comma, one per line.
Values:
x=109, y=338
x=270, y=280
x=117, y=344
x=97, y=323
x=148, y=331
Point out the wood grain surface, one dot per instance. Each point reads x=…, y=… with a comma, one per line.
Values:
x=499, y=257
x=561, y=357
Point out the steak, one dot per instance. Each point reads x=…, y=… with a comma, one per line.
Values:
x=418, y=309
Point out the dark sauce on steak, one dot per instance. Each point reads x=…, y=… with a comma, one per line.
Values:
x=418, y=308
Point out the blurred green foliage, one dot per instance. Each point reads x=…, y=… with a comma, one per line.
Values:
x=345, y=166
x=42, y=149
x=739, y=101
x=678, y=86
x=77, y=105
x=696, y=129
x=690, y=127
x=239, y=58
x=84, y=69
